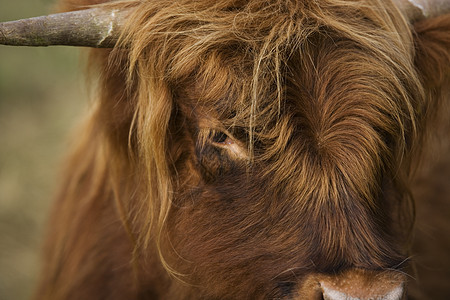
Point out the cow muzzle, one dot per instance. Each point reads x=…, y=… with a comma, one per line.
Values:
x=354, y=284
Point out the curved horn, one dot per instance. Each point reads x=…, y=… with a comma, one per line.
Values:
x=95, y=27
x=416, y=10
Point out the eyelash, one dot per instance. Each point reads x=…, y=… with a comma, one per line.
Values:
x=219, y=137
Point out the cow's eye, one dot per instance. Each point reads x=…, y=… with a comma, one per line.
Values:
x=219, y=152
x=221, y=138
x=225, y=141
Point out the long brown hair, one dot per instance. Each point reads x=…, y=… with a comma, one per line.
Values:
x=272, y=73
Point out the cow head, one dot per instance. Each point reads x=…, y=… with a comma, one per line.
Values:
x=268, y=145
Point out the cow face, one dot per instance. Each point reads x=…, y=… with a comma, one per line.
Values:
x=290, y=155
x=252, y=149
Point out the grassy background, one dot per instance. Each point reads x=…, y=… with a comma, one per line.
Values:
x=42, y=96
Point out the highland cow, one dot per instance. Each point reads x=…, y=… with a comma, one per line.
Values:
x=258, y=150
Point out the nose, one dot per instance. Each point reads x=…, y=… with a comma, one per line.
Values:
x=334, y=294
x=355, y=284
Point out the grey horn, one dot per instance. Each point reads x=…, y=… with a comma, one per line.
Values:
x=95, y=27
x=101, y=28
x=416, y=10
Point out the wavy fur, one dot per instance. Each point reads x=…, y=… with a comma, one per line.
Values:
x=329, y=101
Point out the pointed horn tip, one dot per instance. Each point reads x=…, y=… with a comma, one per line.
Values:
x=95, y=27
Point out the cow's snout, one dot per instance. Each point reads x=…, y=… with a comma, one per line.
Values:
x=355, y=284
x=336, y=294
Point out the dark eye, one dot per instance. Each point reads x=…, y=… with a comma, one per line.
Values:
x=221, y=138
x=222, y=141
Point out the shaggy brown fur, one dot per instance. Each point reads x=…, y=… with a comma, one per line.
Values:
x=243, y=149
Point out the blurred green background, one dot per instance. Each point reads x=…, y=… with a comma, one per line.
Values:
x=42, y=97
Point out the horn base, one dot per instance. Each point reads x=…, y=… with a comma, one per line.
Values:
x=95, y=27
